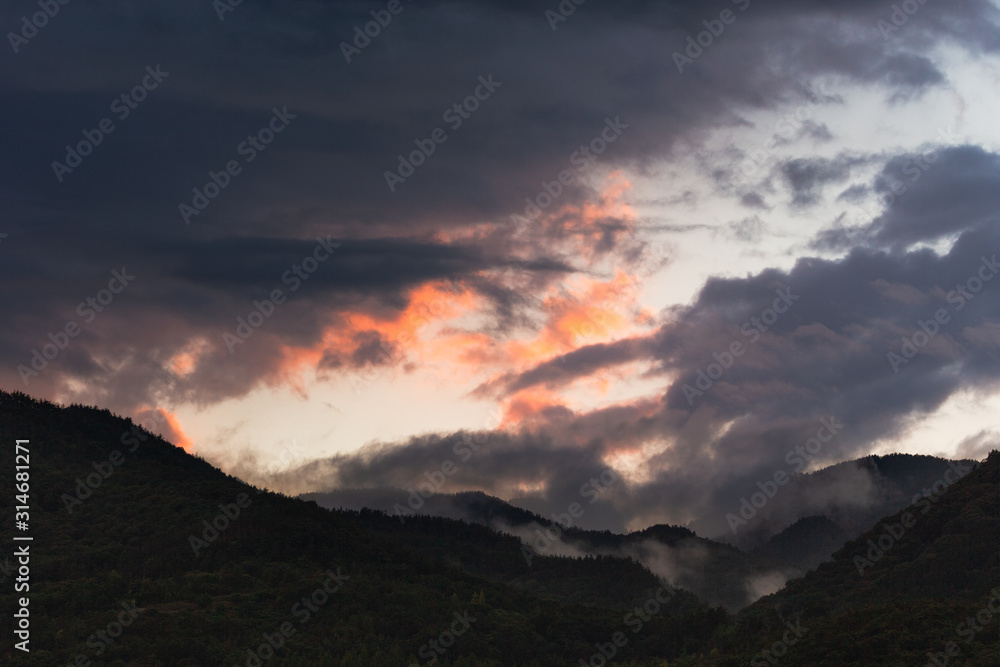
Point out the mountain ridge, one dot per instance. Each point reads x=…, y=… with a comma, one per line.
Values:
x=143, y=540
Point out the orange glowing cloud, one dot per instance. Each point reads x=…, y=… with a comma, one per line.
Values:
x=581, y=312
x=420, y=331
x=582, y=229
x=610, y=205
x=428, y=304
x=524, y=408
x=159, y=420
x=185, y=362
x=440, y=330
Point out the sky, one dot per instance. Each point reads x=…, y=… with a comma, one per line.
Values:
x=354, y=244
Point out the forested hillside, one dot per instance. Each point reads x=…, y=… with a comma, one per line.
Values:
x=145, y=555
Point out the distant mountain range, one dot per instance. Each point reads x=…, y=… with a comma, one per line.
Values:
x=211, y=571
x=784, y=544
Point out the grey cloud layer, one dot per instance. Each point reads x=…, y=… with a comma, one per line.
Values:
x=827, y=356
x=323, y=176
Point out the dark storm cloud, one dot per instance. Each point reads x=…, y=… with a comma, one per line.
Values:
x=496, y=462
x=367, y=265
x=372, y=349
x=186, y=291
x=565, y=368
x=827, y=357
x=851, y=310
x=323, y=175
x=481, y=460
x=927, y=196
x=353, y=120
x=908, y=75
x=807, y=176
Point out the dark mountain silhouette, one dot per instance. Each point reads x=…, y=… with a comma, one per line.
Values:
x=805, y=544
x=129, y=542
x=907, y=592
x=781, y=544
x=853, y=495
x=211, y=571
x=719, y=574
x=471, y=506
